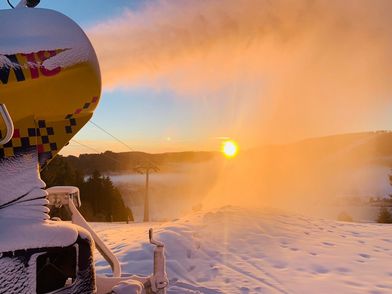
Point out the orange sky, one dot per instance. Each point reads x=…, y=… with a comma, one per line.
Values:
x=275, y=71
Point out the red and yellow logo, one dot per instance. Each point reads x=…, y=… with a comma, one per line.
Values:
x=27, y=66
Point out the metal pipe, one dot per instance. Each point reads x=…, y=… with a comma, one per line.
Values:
x=8, y=123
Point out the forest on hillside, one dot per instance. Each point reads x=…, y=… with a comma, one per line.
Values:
x=101, y=201
x=128, y=161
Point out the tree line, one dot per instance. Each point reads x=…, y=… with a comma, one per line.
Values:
x=101, y=200
x=127, y=161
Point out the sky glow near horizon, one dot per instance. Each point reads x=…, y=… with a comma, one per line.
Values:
x=182, y=75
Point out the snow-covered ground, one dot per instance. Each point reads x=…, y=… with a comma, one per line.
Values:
x=236, y=250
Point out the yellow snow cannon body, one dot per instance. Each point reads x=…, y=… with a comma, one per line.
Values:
x=49, y=81
x=50, y=85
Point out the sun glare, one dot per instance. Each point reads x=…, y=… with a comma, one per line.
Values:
x=230, y=148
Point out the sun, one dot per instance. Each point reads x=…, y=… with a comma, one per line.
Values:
x=230, y=148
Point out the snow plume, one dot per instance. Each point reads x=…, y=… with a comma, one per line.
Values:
x=289, y=70
x=298, y=68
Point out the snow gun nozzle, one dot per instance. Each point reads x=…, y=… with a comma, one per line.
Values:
x=152, y=240
x=32, y=3
x=26, y=3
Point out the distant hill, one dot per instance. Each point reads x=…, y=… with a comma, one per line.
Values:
x=354, y=148
x=346, y=149
x=128, y=161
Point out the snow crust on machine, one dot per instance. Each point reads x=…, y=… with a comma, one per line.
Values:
x=38, y=29
x=35, y=235
x=23, y=214
x=35, y=38
x=20, y=179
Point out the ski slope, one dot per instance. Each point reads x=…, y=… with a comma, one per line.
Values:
x=236, y=250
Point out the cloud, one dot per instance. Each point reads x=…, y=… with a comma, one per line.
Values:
x=289, y=69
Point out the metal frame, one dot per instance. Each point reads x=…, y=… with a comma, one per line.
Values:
x=8, y=123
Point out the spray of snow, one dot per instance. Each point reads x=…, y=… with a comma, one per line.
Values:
x=287, y=69
x=284, y=70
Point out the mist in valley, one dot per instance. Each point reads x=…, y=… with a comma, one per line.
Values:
x=320, y=177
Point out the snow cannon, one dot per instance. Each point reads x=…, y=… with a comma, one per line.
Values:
x=49, y=81
x=49, y=87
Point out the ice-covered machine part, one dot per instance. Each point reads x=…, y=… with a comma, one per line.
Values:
x=38, y=255
x=50, y=84
x=21, y=194
x=23, y=208
x=48, y=70
x=67, y=198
